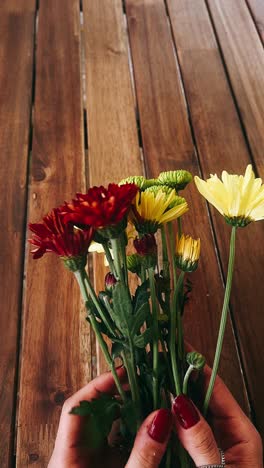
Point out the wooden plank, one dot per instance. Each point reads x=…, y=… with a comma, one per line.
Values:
x=244, y=57
x=16, y=57
x=162, y=107
x=221, y=145
x=112, y=132
x=257, y=10
x=54, y=333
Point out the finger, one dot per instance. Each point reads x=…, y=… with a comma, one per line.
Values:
x=194, y=433
x=70, y=426
x=222, y=403
x=151, y=440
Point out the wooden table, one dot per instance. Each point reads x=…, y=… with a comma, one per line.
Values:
x=91, y=92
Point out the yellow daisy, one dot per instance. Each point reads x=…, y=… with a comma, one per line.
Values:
x=151, y=210
x=187, y=253
x=239, y=198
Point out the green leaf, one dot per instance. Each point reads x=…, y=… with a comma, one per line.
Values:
x=140, y=317
x=122, y=308
x=141, y=296
x=142, y=340
x=101, y=414
x=117, y=349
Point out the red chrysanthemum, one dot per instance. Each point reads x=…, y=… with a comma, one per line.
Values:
x=146, y=245
x=53, y=234
x=101, y=207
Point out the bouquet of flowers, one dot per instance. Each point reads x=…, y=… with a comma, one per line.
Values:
x=144, y=323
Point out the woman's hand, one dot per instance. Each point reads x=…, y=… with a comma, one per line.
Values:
x=233, y=432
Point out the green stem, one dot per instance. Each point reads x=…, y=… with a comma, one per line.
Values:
x=123, y=256
x=164, y=244
x=115, y=243
x=179, y=227
x=109, y=259
x=168, y=455
x=184, y=457
x=186, y=379
x=223, y=320
x=97, y=304
x=132, y=378
x=165, y=355
x=165, y=261
x=143, y=276
x=155, y=348
x=172, y=249
x=173, y=335
x=180, y=340
x=81, y=279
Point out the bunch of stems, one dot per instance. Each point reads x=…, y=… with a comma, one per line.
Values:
x=173, y=348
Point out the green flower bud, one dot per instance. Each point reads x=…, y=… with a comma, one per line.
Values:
x=175, y=179
x=196, y=360
x=155, y=188
x=134, y=263
x=140, y=181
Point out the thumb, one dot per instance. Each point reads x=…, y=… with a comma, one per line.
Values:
x=194, y=433
x=151, y=440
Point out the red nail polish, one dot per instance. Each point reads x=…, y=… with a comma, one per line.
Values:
x=185, y=411
x=161, y=425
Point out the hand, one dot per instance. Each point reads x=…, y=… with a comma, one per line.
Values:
x=233, y=432
x=68, y=450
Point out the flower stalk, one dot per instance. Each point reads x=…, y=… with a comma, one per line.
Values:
x=80, y=276
x=174, y=360
x=155, y=346
x=223, y=320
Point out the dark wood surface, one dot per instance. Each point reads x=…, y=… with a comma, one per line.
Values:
x=121, y=88
x=16, y=64
x=55, y=345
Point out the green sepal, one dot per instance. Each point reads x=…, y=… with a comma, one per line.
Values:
x=238, y=221
x=113, y=232
x=75, y=263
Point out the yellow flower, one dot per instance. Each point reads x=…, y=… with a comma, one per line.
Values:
x=239, y=198
x=187, y=253
x=151, y=210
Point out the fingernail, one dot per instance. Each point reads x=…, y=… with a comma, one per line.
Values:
x=119, y=367
x=161, y=425
x=185, y=411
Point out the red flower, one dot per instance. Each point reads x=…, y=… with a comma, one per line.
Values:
x=146, y=245
x=54, y=235
x=101, y=207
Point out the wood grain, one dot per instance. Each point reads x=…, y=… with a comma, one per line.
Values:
x=16, y=57
x=257, y=9
x=221, y=145
x=168, y=145
x=54, y=336
x=244, y=58
x=113, y=147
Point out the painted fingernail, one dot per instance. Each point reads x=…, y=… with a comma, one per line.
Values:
x=185, y=411
x=161, y=425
